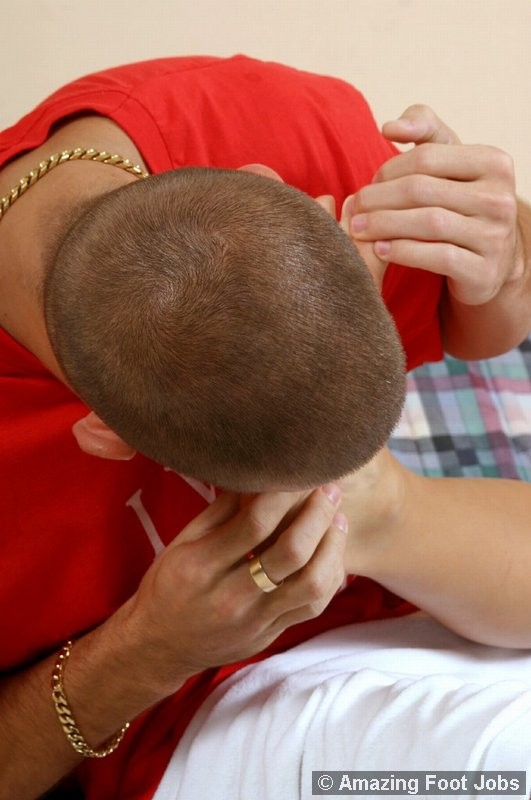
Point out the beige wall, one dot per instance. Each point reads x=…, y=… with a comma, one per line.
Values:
x=469, y=59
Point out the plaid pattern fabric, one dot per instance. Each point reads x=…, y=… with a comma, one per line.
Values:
x=469, y=418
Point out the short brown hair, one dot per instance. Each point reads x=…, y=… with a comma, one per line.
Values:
x=222, y=324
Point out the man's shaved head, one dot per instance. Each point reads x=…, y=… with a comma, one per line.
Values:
x=222, y=324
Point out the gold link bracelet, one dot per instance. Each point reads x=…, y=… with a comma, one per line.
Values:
x=68, y=723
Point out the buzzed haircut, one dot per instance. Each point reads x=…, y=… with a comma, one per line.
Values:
x=224, y=325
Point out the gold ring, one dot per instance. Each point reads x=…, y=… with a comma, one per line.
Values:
x=260, y=576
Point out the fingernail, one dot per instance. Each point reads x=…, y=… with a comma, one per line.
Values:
x=333, y=492
x=358, y=223
x=341, y=522
x=348, y=204
x=382, y=248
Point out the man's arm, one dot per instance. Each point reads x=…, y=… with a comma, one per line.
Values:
x=459, y=548
x=451, y=209
x=103, y=691
x=470, y=331
x=197, y=607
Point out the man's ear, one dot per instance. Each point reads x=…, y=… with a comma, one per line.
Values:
x=261, y=169
x=95, y=438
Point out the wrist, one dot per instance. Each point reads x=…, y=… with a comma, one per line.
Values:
x=112, y=677
x=155, y=668
x=377, y=516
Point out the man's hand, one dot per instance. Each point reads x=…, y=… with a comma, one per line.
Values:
x=443, y=206
x=198, y=606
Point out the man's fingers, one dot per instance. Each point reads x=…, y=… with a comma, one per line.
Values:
x=468, y=162
x=306, y=594
x=423, y=191
x=254, y=524
x=419, y=124
x=296, y=545
x=424, y=224
x=224, y=507
x=469, y=277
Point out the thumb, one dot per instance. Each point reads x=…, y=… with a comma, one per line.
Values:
x=419, y=124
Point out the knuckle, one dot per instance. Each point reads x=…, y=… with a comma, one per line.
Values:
x=316, y=584
x=294, y=551
x=190, y=566
x=315, y=610
x=438, y=221
x=194, y=575
x=452, y=259
x=420, y=110
x=504, y=164
x=504, y=206
x=227, y=607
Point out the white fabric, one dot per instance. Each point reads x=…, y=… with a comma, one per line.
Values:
x=390, y=695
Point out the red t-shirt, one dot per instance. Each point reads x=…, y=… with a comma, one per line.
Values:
x=76, y=532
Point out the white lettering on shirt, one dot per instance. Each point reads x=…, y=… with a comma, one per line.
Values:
x=207, y=492
x=135, y=502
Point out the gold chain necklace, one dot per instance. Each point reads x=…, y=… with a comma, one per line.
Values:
x=79, y=154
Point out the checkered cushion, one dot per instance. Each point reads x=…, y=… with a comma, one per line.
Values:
x=469, y=418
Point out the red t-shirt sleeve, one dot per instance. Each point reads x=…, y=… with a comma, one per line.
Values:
x=317, y=132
